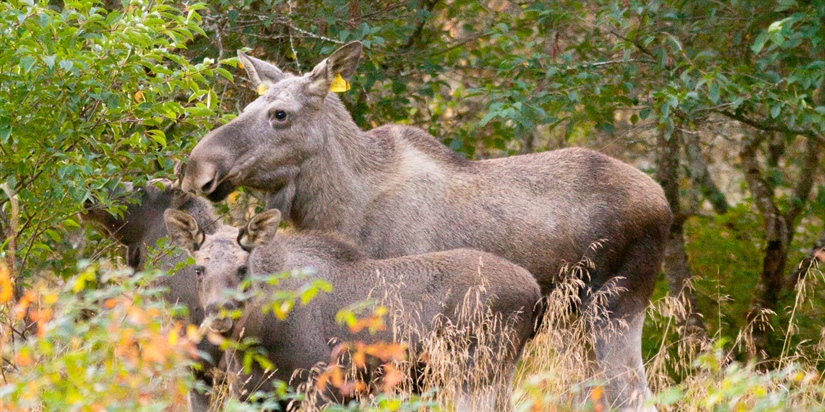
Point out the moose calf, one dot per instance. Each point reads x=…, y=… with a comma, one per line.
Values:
x=140, y=228
x=434, y=288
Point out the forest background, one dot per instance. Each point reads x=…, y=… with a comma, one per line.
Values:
x=721, y=102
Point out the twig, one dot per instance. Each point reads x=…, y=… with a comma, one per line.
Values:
x=768, y=126
x=291, y=43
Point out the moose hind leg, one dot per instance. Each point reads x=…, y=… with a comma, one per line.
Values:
x=617, y=311
x=618, y=348
x=480, y=399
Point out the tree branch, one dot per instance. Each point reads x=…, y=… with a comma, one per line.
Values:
x=701, y=176
x=768, y=126
x=428, y=5
x=804, y=183
x=753, y=177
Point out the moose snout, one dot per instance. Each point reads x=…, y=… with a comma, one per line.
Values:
x=218, y=317
x=200, y=177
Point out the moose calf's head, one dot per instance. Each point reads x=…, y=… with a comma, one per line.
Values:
x=220, y=259
x=265, y=145
x=138, y=224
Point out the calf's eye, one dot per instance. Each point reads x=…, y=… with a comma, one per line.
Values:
x=278, y=118
x=199, y=274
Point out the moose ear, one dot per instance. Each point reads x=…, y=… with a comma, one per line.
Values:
x=341, y=62
x=260, y=229
x=183, y=230
x=262, y=75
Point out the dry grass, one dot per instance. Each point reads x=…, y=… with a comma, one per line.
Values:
x=684, y=373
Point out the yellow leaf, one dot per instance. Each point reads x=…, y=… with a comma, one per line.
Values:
x=50, y=298
x=281, y=311
x=240, y=65
x=5, y=283
x=139, y=96
x=338, y=84
x=24, y=358
x=174, y=334
x=596, y=394
x=262, y=88
x=192, y=333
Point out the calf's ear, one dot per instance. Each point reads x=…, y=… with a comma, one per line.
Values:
x=260, y=229
x=262, y=75
x=183, y=230
x=341, y=62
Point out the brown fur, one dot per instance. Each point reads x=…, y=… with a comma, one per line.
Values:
x=139, y=229
x=397, y=191
x=435, y=285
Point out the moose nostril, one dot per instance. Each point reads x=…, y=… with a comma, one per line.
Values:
x=207, y=187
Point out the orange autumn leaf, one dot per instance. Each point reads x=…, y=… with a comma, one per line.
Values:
x=156, y=350
x=359, y=359
x=392, y=377
x=5, y=283
x=23, y=359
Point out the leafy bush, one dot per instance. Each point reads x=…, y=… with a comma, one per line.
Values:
x=91, y=95
x=96, y=348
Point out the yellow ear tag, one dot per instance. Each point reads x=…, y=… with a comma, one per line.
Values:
x=338, y=84
x=262, y=88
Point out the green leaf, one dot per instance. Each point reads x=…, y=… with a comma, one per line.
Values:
x=644, y=113
x=225, y=73
x=66, y=65
x=775, y=110
x=26, y=63
x=713, y=92
x=49, y=60
x=759, y=43
x=158, y=136
x=5, y=131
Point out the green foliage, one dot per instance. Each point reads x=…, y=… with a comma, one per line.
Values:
x=726, y=251
x=92, y=95
x=95, y=93
x=391, y=403
x=737, y=387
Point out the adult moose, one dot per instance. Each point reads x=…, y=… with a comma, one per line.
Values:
x=397, y=191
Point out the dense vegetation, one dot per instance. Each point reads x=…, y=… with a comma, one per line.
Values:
x=722, y=102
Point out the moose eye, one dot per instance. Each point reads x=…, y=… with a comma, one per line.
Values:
x=199, y=273
x=242, y=272
x=280, y=115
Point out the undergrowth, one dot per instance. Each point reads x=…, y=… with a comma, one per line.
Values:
x=104, y=341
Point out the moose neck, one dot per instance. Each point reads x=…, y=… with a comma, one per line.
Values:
x=338, y=182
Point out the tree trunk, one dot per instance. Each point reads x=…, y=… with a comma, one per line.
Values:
x=676, y=266
x=779, y=229
x=810, y=262
x=699, y=174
